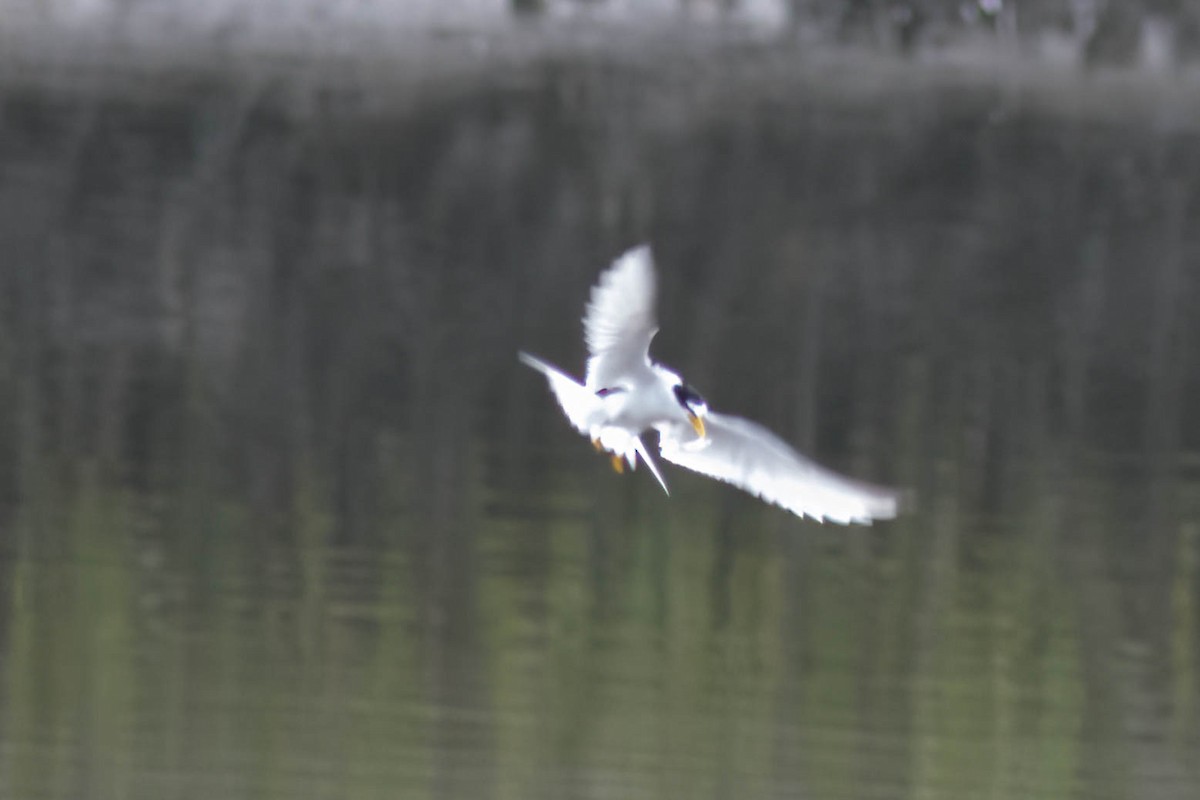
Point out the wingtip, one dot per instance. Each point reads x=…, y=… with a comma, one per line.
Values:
x=881, y=505
x=640, y=255
x=888, y=506
x=531, y=361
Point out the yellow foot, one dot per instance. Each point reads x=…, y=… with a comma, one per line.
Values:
x=618, y=465
x=596, y=444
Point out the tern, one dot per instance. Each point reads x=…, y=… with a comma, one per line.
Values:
x=625, y=394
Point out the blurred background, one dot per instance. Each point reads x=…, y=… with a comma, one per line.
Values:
x=282, y=516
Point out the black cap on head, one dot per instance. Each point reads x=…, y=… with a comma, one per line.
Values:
x=688, y=397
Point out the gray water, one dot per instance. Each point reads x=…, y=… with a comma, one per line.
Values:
x=282, y=516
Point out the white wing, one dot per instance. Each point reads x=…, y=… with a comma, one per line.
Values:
x=619, y=322
x=585, y=411
x=583, y=408
x=752, y=458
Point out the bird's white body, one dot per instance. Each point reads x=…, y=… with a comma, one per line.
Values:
x=652, y=405
x=625, y=394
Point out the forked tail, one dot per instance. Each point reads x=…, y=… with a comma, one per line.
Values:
x=645, y=454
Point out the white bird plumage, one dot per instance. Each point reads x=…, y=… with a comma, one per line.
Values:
x=625, y=394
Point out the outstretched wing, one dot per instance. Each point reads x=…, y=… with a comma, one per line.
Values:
x=619, y=322
x=750, y=457
x=585, y=411
x=583, y=408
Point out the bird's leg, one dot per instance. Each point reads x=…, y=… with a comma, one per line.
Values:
x=596, y=444
x=618, y=464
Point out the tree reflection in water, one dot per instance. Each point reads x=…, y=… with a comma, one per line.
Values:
x=283, y=517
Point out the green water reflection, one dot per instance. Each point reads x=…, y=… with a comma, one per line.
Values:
x=636, y=651
x=283, y=517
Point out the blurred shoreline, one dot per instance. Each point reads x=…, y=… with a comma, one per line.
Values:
x=399, y=64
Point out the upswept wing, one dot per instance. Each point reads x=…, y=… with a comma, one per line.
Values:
x=752, y=458
x=620, y=321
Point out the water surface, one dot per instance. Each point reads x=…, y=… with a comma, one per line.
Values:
x=282, y=516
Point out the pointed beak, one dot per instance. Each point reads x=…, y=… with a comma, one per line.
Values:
x=697, y=425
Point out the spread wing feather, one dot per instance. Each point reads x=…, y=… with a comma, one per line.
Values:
x=583, y=408
x=620, y=321
x=752, y=458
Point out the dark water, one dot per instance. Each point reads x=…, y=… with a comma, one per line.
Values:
x=281, y=515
